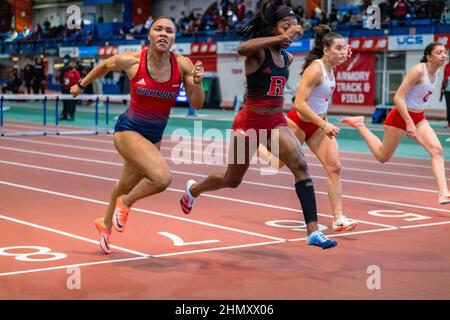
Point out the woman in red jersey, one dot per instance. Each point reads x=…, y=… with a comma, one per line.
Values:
x=267, y=70
x=155, y=76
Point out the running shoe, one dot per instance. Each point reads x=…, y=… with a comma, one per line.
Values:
x=344, y=224
x=352, y=121
x=120, y=215
x=105, y=234
x=317, y=238
x=187, y=200
x=444, y=198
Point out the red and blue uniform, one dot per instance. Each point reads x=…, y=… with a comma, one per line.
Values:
x=151, y=101
x=264, y=97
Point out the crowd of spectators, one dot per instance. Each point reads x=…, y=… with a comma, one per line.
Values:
x=228, y=16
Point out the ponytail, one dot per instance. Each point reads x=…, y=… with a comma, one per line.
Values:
x=323, y=37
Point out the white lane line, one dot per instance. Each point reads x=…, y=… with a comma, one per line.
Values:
x=257, y=244
x=66, y=195
x=70, y=235
x=334, y=235
x=70, y=266
x=425, y=225
x=56, y=155
x=378, y=172
x=308, y=154
x=244, y=182
x=181, y=191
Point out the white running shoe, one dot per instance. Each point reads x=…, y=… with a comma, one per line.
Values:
x=344, y=224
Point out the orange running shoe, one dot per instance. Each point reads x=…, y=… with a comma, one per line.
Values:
x=120, y=215
x=105, y=234
x=353, y=121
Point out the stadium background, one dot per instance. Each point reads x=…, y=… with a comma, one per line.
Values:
x=31, y=31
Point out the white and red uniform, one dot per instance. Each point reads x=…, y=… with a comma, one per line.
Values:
x=319, y=101
x=416, y=99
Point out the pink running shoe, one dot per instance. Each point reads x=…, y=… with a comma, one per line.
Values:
x=105, y=234
x=120, y=215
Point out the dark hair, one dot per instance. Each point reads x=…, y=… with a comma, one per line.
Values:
x=159, y=18
x=429, y=49
x=265, y=19
x=323, y=37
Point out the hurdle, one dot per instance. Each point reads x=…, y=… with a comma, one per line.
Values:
x=57, y=98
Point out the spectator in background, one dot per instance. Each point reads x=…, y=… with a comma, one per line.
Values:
x=13, y=84
x=401, y=8
x=66, y=105
x=71, y=78
x=240, y=10
x=28, y=75
x=147, y=25
x=437, y=8
x=39, y=77
x=445, y=16
x=299, y=12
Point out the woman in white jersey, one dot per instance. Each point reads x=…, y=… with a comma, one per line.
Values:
x=307, y=120
x=408, y=116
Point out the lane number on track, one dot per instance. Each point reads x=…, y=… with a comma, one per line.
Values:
x=179, y=242
x=398, y=214
x=294, y=225
x=26, y=255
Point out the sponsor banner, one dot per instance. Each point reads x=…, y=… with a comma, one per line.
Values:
x=206, y=48
x=50, y=51
x=182, y=48
x=206, y=52
x=369, y=43
x=107, y=51
x=355, y=80
x=87, y=52
x=302, y=45
x=443, y=38
x=409, y=42
x=130, y=48
x=227, y=47
x=71, y=51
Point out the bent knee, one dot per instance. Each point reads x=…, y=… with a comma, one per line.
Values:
x=436, y=151
x=161, y=181
x=334, y=169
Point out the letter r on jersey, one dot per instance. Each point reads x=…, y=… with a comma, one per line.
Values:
x=276, y=86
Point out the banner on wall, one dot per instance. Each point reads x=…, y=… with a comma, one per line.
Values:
x=302, y=45
x=227, y=47
x=409, y=42
x=130, y=48
x=443, y=38
x=355, y=81
x=73, y=52
x=182, y=48
x=107, y=51
x=206, y=52
x=369, y=43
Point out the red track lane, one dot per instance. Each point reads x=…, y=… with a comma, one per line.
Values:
x=414, y=261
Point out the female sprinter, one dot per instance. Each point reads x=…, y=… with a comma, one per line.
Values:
x=267, y=69
x=155, y=76
x=307, y=120
x=408, y=116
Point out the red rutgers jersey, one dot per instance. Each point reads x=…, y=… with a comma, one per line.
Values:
x=265, y=86
x=150, y=99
